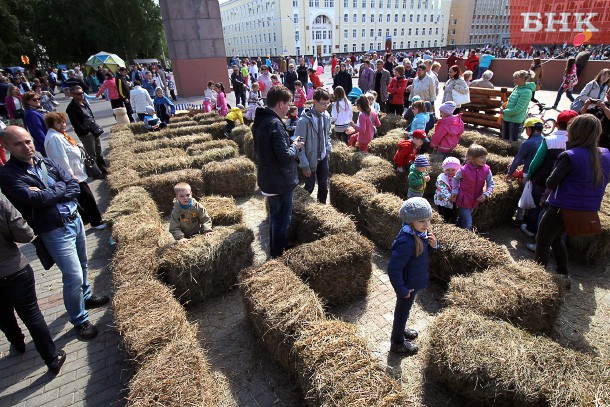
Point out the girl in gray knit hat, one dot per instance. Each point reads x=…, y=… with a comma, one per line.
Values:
x=408, y=268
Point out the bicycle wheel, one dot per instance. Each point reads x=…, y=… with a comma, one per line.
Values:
x=549, y=126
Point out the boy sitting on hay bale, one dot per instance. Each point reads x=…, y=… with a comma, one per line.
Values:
x=188, y=218
x=408, y=149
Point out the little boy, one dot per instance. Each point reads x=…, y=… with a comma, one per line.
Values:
x=299, y=96
x=408, y=149
x=291, y=120
x=188, y=217
x=418, y=177
x=151, y=121
x=448, y=130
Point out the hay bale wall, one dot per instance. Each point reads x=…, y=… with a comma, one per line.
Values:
x=336, y=267
x=348, y=195
x=183, y=161
x=382, y=220
x=386, y=147
x=390, y=122
x=177, y=142
x=494, y=363
x=522, y=293
x=198, y=148
x=312, y=221
x=236, y=177
x=207, y=265
x=592, y=249
x=222, y=210
x=500, y=206
x=493, y=144
x=161, y=187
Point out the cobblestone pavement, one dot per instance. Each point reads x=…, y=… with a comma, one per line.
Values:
x=96, y=372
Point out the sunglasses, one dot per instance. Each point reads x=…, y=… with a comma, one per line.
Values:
x=36, y=99
x=78, y=93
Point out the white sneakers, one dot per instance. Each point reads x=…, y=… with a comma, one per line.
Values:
x=527, y=232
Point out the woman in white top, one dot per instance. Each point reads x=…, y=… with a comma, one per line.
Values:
x=455, y=84
x=596, y=89
x=341, y=114
x=62, y=149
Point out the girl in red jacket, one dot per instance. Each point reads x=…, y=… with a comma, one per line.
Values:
x=407, y=150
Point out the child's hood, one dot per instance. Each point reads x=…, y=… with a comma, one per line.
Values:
x=452, y=124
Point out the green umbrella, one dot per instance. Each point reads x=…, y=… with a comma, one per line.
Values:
x=105, y=60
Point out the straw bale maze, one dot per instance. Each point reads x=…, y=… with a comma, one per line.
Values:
x=213, y=323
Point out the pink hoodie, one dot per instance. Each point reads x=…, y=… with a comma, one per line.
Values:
x=447, y=133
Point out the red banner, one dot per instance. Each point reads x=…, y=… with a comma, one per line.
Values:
x=568, y=22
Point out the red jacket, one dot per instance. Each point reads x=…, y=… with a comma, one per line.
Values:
x=396, y=89
x=472, y=63
x=315, y=79
x=405, y=154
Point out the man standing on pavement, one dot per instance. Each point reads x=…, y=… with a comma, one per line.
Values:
x=277, y=167
x=46, y=197
x=140, y=99
x=423, y=86
x=85, y=127
x=313, y=128
x=123, y=88
x=382, y=79
x=366, y=77
x=239, y=87
x=18, y=290
x=302, y=73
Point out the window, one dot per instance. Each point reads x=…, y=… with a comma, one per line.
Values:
x=355, y=3
x=274, y=38
x=395, y=18
x=418, y=16
x=372, y=18
x=435, y=43
x=363, y=33
x=436, y=31
x=329, y=3
x=409, y=31
x=401, y=45
x=344, y=47
x=372, y=4
x=363, y=49
x=354, y=34
x=430, y=31
x=425, y=18
x=295, y=18
x=404, y=3
x=396, y=3
x=324, y=34
x=419, y=7
x=395, y=32
x=387, y=32
x=370, y=45
x=345, y=3
x=453, y=31
x=388, y=18
x=325, y=49
x=408, y=44
x=298, y=50
x=344, y=33
x=404, y=18
x=354, y=48
x=378, y=45
x=363, y=3
x=372, y=33
x=296, y=35
x=364, y=18
x=345, y=18
x=429, y=43
x=380, y=18
x=394, y=45
x=410, y=18
x=330, y=35
x=355, y=18
x=402, y=31
x=417, y=31
x=295, y=3
x=379, y=33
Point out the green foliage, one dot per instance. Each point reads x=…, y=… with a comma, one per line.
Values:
x=72, y=30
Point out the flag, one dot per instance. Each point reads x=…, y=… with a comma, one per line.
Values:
x=314, y=66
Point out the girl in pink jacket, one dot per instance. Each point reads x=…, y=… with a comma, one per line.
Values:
x=221, y=101
x=113, y=93
x=365, y=128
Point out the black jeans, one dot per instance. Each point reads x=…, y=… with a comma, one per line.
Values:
x=240, y=98
x=88, y=206
x=551, y=232
x=396, y=109
x=18, y=293
x=533, y=215
x=321, y=174
x=280, y=215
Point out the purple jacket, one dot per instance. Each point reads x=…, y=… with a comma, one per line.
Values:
x=471, y=184
x=366, y=79
x=576, y=191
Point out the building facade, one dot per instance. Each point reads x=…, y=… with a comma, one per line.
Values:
x=479, y=22
x=324, y=27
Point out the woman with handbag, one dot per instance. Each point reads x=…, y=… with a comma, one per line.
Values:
x=575, y=191
x=62, y=149
x=456, y=89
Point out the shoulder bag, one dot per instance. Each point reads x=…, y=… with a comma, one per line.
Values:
x=91, y=167
x=581, y=223
x=41, y=250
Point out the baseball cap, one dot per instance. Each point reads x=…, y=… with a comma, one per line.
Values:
x=566, y=116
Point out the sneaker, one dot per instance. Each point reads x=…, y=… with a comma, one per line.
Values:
x=56, y=365
x=531, y=247
x=410, y=334
x=86, y=330
x=527, y=232
x=101, y=226
x=406, y=348
x=94, y=301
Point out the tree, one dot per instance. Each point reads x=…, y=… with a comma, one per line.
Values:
x=16, y=38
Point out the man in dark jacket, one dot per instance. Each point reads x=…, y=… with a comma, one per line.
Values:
x=302, y=73
x=343, y=79
x=290, y=78
x=237, y=82
x=85, y=127
x=74, y=81
x=18, y=290
x=277, y=167
x=123, y=88
x=46, y=197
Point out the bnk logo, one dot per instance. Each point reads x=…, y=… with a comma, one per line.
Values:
x=538, y=22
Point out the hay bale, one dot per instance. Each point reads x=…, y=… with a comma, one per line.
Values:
x=207, y=265
x=382, y=220
x=222, y=210
x=278, y=304
x=382, y=176
x=184, y=123
x=522, y=293
x=249, y=150
x=494, y=363
x=137, y=227
x=337, y=368
x=336, y=267
x=312, y=221
x=138, y=128
x=390, y=122
x=463, y=252
x=216, y=129
x=180, y=162
x=236, y=176
x=119, y=127
x=178, y=142
x=147, y=317
x=497, y=163
x=121, y=178
x=154, y=155
x=500, y=206
x=130, y=201
x=161, y=187
x=196, y=149
x=178, y=375
x=182, y=119
x=184, y=131
x=135, y=262
x=348, y=194
x=206, y=116
x=238, y=135
x=493, y=144
x=386, y=147
x=340, y=161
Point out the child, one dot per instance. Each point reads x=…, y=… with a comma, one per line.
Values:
x=408, y=149
x=408, y=269
x=310, y=90
x=211, y=93
x=233, y=118
x=372, y=97
x=448, y=130
x=409, y=115
x=442, y=196
x=188, y=217
x=171, y=85
x=364, y=128
x=254, y=101
x=291, y=120
x=275, y=81
x=207, y=105
x=221, y=101
x=151, y=121
x=467, y=185
x=420, y=116
x=418, y=177
x=341, y=114
x=299, y=96
x=162, y=105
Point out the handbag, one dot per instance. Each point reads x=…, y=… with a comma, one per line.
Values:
x=43, y=254
x=91, y=167
x=527, y=200
x=581, y=223
x=460, y=98
x=19, y=114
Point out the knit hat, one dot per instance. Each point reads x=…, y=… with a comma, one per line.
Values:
x=421, y=161
x=566, y=116
x=419, y=134
x=448, y=107
x=415, y=98
x=414, y=209
x=150, y=110
x=451, y=162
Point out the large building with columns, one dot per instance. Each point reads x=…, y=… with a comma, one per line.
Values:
x=324, y=27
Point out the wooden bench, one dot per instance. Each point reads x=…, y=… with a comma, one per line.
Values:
x=484, y=106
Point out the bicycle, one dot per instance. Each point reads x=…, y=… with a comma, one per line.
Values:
x=549, y=124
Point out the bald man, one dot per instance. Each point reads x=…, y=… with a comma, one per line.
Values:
x=46, y=197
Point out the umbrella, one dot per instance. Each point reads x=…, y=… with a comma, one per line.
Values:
x=105, y=60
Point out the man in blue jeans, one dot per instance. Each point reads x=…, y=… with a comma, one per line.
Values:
x=46, y=197
x=277, y=167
